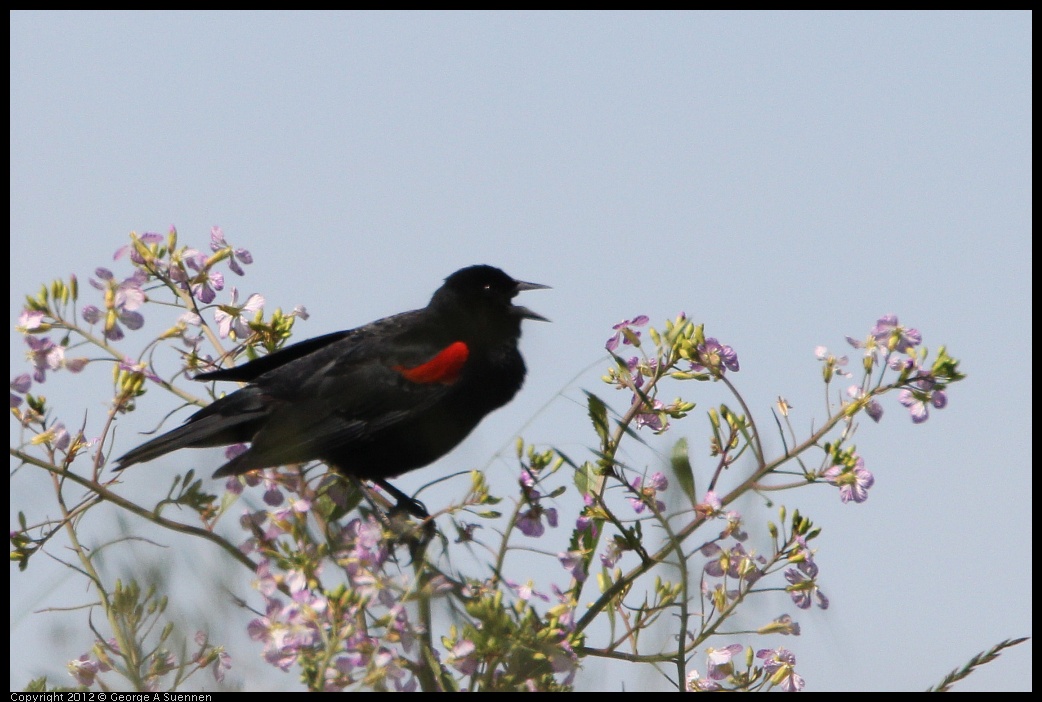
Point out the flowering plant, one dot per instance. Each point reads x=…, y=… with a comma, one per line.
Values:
x=347, y=592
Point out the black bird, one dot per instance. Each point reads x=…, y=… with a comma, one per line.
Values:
x=376, y=401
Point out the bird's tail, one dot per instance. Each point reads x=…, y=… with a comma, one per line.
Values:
x=204, y=432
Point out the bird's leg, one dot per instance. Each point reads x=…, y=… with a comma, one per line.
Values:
x=406, y=503
x=417, y=546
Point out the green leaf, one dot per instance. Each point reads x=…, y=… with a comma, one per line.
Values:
x=586, y=478
x=598, y=416
x=678, y=459
x=337, y=496
x=558, y=492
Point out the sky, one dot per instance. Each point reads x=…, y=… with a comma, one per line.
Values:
x=784, y=178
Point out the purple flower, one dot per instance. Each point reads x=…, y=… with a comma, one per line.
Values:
x=625, y=333
x=648, y=491
x=105, y=275
x=834, y=365
x=20, y=385
x=269, y=478
x=129, y=296
x=710, y=505
x=338, y=676
x=162, y=662
x=462, y=657
x=585, y=522
x=91, y=314
x=86, y=670
x=221, y=663
x=364, y=549
x=853, y=482
x=530, y=521
x=920, y=397
x=286, y=630
x=653, y=418
x=122, y=301
x=715, y=357
x=612, y=553
x=563, y=659
x=194, y=259
x=280, y=649
x=802, y=587
x=465, y=532
x=294, y=508
x=734, y=526
x=695, y=684
x=872, y=408
x=525, y=592
x=221, y=660
x=803, y=557
x=388, y=664
x=127, y=364
x=58, y=436
x=148, y=238
x=719, y=660
x=636, y=368
x=779, y=664
x=217, y=243
x=30, y=319
x=230, y=318
x=204, y=283
x=633, y=365
x=186, y=320
x=891, y=335
x=573, y=563
x=886, y=336
x=869, y=345
x=734, y=563
x=903, y=365
x=45, y=356
x=783, y=625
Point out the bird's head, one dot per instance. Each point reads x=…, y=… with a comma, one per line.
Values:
x=485, y=294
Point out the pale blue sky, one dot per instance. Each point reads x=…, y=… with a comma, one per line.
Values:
x=784, y=178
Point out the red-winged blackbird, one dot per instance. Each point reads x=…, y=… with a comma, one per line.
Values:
x=376, y=401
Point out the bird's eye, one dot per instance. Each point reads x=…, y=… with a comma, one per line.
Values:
x=486, y=287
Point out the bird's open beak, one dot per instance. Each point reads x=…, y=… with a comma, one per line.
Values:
x=524, y=311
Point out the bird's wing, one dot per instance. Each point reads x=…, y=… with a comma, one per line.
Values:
x=252, y=370
x=345, y=392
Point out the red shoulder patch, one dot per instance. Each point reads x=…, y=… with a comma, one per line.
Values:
x=443, y=368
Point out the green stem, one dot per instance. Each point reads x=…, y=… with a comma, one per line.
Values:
x=104, y=493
